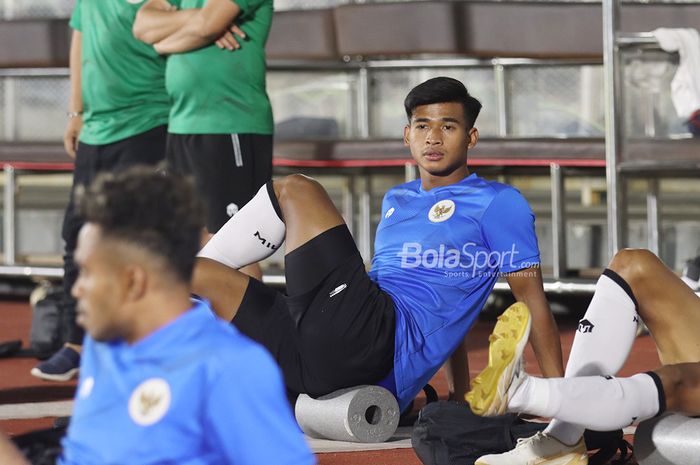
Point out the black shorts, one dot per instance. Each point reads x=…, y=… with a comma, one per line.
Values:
x=334, y=328
x=228, y=169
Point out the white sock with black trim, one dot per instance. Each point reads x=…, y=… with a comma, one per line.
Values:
x=251, y=235
x=603, y=341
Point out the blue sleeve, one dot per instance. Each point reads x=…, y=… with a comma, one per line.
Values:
x=249, y=416
x=508, y=226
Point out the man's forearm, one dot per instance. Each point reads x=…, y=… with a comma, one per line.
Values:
x=189, y=37
x=527, y=288
x=153, y=25
x=203, y=28
x=75, y=102
x=457, y=372
x=545, y=341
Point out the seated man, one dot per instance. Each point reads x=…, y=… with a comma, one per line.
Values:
x=441, y=245
x=636, y=284
x=162, y=380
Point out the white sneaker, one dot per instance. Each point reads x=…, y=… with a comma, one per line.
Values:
x=539, y=449
x=494, y=386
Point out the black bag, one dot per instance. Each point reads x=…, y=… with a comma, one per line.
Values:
x=409, y=417
x=41, y=447
x=45, y=336
x=448, y=433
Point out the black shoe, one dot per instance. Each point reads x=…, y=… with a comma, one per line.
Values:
x=62, y=366
x=9, y=348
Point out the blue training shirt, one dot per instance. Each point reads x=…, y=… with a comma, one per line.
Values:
x=196, y=391
x=438, y=254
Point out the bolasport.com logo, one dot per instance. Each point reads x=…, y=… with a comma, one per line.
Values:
x=468, y=261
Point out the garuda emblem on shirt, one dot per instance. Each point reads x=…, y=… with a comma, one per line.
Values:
x=441, y=211
x=150, y=401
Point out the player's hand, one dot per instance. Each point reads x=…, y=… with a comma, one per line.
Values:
x=70, y=136
x=228, y=40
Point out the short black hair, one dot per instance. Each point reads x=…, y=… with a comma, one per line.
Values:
x=148, y=208
x=443, y=90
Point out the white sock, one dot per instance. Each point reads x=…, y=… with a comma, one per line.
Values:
x=600, y=403
x=530, y=395
x=603, y=341
x=251, y=235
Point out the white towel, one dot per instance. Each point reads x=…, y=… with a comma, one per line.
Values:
x=685, y=86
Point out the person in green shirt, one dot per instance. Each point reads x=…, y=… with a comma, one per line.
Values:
x=117, y=117
x=221, y=122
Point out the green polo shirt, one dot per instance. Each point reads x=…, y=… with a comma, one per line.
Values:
x=216, y=91
x=123, y=79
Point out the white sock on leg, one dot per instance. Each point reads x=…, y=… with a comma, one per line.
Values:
x=603, y=341
x=601, y=403
x=530, y=395
x=251, y=235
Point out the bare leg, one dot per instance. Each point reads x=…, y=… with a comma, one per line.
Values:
x=307, y=209
x=76, y=347
x=307, y=212
x=223, y=286
x=9, y=454
x=457, y=373
x=670, y=309
x=254, y=271
x=682, y=387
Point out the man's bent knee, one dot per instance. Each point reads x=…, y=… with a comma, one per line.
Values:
x=222, y=286
x=297, y=192
x=295, y=186
x=634, y=264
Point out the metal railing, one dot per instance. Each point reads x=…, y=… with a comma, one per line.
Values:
x=365, y=71
x=614, y=42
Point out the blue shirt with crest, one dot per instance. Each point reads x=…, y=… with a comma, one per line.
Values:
x=194, y=392
x=438, y=254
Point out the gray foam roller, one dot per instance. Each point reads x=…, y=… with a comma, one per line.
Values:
x=671, y=439
x=359, y=414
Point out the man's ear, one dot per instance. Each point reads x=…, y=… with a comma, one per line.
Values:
x=137, y=282
x=473, y=138
x=406, y=130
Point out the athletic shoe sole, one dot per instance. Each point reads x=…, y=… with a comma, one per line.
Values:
x=568, y=459
x=526, y=454
x=67, y=376
x=488, y=396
